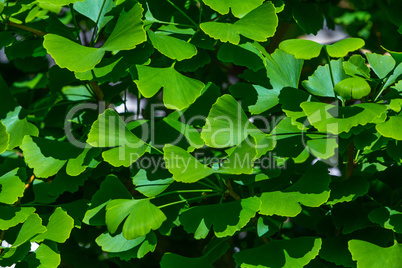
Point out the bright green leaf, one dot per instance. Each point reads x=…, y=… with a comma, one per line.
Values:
x=31, y=227
x=382, y=65
x=179, y=91
x=12, y=186
x=150, y=188
x=353, y=87
x=48, y=257
x=367, y=254
x=4, y=138
x=184, y=167
x=301, y=48
x=59, y=2
x=11, y=216
x=117, y=243
x=92, y=8
x=172, y=47
x=356, y=66
x=59, y=227
x=311, y=190
x=391, y=128
x=343, y=47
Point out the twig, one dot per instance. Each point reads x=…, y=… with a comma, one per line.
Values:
x=232, y=193
x=26, y=28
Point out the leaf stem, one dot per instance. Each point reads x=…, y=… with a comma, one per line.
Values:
x=96, y=24
x=382, y=89
x=183, y=13
x=138, y=105
x=77, y=29
x=26, y=28
x=187, y=200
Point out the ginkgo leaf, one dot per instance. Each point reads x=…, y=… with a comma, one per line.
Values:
x=366, y=254
x=241, y=159
x=92, y=8
x=356, y=66
x=391, y=128
x=245, y=54
x=346, y=191
x=296, y=252
x=307, y=49
x=335, y=119
x=150, y=188
x=59, y=227
x=18, y=128
x=12, y=216
x=382, y=65
x=259, y=24
x=238, y=8
x=128, y=32
x=109, y=130
x=4, y=138
x=12, y=186
x=117, y=243
x=78, y=58
x=226, y=218
x=184, y=167
x=352, y=87
x=179, y=91
x=311, y=190
x=48, y=256
x=320, y=83
x=226, y=125
x=172, y=47
x=143, y=216
x=31, y=227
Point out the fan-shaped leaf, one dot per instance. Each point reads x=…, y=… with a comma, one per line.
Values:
x=150, y=188
x=12, y=186
x=366, y=254
x=311, y=190
x=59, y=227
x=342, y=48
x=391, y=128
x=382, y=65
x=301, y=48
x=117, y=243
x=11, y=216
x=31, y=227
x=4, y=138
x=184, y=166
x=179, y=91
x=172, y=47
x=92, y=8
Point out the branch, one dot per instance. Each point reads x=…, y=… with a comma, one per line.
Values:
x=26, y=28
x=232, y=193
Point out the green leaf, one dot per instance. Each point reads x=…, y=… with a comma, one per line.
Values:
x=45, y=156
x=308, y=17
x=301, y=48
x=259, y=24
x=76, y=166
x=241, y=159
x=171, y=260
x=387, y=218
x=18, y=128
x=92, y=8
x=391, y=128
x=239, y=8
x=128, y=32
x=172, y=47
x=296, y=252
x=356, y=66
x=111, y=188
x=226, y=218
x=341, y=48
x=353, y=87
x=4, y=138
x=78, y=58
x=267, y=99
x=226, y=125
x=117, y=243
x=143, y=216
x=31, y=227
x=335, y=119
x=150, y=188
x=366, y=254
x=179, y=91
x=311, y=190
x=109, y=130
x=12, y=186
x=243, y=54
x=382, y=65
x=11, y=216
x=59, y=227
x=184, y=167
x=47, y=256
x=306, y=49
x=320, y=83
